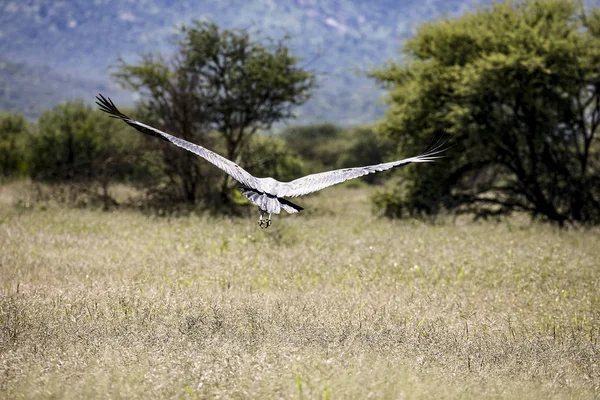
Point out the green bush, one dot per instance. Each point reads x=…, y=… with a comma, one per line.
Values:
x=76, y=143
x=79, y=146
x=14, y=134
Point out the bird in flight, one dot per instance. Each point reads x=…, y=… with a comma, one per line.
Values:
x=268, y=193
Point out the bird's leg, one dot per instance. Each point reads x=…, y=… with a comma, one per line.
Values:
x=261, y=223
x=269, y=220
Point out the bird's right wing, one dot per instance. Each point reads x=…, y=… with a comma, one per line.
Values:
x=315, y=182
x=231, y=168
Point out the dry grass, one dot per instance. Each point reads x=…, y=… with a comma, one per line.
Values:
x=322, y=305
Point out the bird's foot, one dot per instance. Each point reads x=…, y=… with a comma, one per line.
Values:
x=264, y=223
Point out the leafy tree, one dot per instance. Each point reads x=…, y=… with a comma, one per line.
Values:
x=80, y=146
x=218, y=81
x=14, y=133
x=518, y=84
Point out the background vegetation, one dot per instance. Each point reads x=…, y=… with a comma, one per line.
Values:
x=516, y=83
x=334, y=302
x=223, y=89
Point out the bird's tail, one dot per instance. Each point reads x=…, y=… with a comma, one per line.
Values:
x=268, y=203
x=289, y=206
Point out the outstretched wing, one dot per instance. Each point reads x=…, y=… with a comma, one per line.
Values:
x=236, y=172
x=315, y=182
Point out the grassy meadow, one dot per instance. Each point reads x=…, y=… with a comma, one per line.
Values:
x=331, y=303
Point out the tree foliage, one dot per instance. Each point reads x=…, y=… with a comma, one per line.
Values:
x=78, y=145
x=220, y=81
x=518, y=84
x=14, y=133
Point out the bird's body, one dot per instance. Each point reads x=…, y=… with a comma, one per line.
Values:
x=270, y=186
x=268, y=193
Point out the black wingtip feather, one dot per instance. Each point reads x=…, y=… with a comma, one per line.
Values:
x=106, y=104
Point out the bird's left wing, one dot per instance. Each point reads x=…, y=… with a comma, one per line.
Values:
x=315, y=182
x=231, y=168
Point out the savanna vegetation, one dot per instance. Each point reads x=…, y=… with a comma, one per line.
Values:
x=516, y=83
x=76, y=155
x=129, y=270
x=332, y=303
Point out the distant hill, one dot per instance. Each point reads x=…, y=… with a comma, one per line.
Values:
x=30, y=90
x=68, y=46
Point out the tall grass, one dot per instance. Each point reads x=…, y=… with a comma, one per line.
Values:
x=331, y=303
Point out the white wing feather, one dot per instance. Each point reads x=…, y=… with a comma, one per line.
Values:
x=231, y=168
x=315, y=182
x=298, y=187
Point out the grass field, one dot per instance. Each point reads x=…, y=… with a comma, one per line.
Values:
x=326, y=304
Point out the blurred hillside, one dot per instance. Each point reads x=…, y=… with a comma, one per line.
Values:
x=30, y=90
x=67, y=47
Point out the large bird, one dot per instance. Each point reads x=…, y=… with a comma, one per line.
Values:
x=268, y=193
